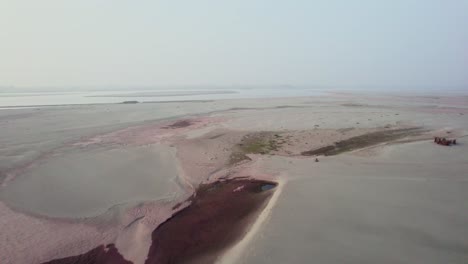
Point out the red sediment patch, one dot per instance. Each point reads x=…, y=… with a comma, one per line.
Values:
x=99, y=255
x=219, y=214
x=444, y=141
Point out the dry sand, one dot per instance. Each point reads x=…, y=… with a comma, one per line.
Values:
x=78, y=177
x=405, y=205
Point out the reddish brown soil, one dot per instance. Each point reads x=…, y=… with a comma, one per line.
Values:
x=217, y=217
x=99, y=255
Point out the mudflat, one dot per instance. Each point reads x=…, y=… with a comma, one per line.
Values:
x=85, y=183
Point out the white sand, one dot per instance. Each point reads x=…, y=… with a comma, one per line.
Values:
x=233, y=254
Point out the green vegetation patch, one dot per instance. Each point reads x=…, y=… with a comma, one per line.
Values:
x=363, y=141
x=255, y=143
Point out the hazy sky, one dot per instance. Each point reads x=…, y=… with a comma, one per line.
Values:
x=221, y=42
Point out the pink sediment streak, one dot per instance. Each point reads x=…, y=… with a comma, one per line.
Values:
x=148, y=134
x=238, y=189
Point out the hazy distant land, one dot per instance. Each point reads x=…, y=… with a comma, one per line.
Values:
x=155, y=94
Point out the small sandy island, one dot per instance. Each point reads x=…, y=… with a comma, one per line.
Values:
x=343, y=178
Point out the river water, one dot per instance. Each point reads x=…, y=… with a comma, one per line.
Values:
x=28, y=99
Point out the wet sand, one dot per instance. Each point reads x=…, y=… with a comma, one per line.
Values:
x=87, y=182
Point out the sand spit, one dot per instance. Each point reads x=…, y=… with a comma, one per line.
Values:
x=232, y=255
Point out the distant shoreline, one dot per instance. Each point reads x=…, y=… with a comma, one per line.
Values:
x=91, y=104
x=8, y=100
